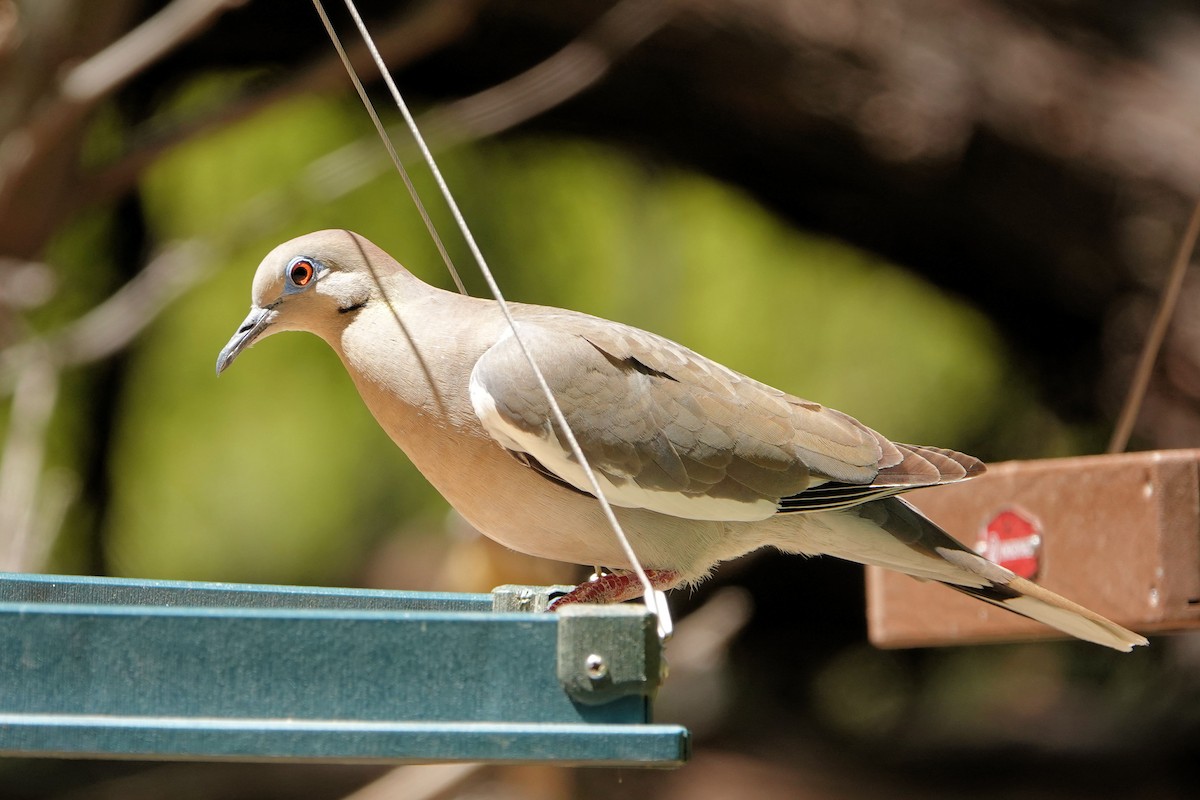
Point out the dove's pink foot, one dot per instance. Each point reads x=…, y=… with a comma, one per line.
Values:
x=616, y=587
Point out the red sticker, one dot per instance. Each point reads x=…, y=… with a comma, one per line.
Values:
x=1013, y=539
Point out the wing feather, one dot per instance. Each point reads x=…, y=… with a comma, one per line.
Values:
x=669, y=430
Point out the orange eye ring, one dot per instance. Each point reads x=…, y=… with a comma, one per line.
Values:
x=301, y=272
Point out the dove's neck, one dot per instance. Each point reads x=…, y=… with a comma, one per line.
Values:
x=410, y=351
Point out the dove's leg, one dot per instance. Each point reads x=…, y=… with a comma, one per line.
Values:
x=616, y=587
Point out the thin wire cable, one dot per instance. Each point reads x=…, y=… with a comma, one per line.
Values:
x=650, y=595
x=387, y=143
x=477, y=254
x=1154, y=340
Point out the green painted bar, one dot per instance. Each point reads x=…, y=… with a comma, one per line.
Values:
x=88, y=590
x=115, y=668
x=344, y=742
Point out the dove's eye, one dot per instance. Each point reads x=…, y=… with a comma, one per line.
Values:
x=301, y=272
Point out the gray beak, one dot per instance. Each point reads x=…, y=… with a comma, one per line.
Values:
x=251, y=328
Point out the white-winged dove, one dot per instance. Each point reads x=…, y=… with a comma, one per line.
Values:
x=700, y=463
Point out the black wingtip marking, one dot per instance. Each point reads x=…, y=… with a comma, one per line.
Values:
x=645, y=369
x=631, y=362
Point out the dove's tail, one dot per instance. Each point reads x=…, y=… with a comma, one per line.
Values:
x=891, y=533
x=1026, y=598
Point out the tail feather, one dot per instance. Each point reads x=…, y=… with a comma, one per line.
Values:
x=891, y=533
x=1030, y=600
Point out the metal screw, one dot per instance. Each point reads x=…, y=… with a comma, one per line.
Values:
x=595, y=666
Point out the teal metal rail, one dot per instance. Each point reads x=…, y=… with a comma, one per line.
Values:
x=111, y=668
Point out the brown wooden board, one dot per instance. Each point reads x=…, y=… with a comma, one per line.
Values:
x=1119, y=534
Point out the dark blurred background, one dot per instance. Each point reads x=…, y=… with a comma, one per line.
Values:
x=951, y=219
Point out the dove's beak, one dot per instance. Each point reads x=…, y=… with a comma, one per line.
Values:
x=251, y=328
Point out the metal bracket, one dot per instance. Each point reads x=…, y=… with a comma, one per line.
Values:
x=608, y=652
x=605, y=652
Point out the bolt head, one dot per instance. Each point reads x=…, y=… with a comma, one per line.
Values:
x=595, y=666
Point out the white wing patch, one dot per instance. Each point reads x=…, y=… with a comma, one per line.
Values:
x=618, y=490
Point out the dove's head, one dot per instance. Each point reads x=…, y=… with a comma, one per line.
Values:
x=313, y=283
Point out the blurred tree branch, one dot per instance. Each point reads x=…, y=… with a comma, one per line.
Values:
x=410, y=36
x=21, y=463
x=113, y=324
x=32, y=185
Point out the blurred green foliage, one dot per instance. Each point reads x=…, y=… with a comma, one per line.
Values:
x=276, y=472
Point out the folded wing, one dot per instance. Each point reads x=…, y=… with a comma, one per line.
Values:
x=671, y=431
